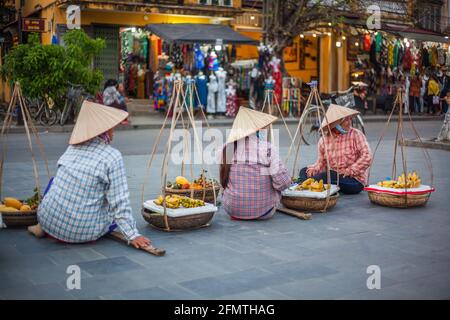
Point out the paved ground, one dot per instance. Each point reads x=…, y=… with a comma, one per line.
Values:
x=283, y=258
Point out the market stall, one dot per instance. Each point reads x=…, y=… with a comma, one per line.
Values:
x=204, y=53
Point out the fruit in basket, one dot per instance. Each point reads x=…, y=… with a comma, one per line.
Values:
x=8, y=209
x=181, y=180
x=175, y=201
x=12, y=202
x=186, y=186
x=312, y=185
x=411, y=180
x=25, y=207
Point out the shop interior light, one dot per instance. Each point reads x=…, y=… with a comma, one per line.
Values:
x=252, y=17
x=302, y=35
x=329, y=23
x=329, y=34
x=446, y=37
x=218, y=47
x=357, y=44
x=344, y=37
x=314, y=35
x=338, y=44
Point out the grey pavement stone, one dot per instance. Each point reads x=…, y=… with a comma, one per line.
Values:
x=109, y=265
x=325, y=257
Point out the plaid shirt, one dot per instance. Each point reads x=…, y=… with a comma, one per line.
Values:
x=89, y=193
x=257, y=177
x=349, y=155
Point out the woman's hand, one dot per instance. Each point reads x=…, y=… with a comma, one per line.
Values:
x=140, y=242
x=310, y=172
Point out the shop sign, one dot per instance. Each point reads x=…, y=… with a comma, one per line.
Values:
x=33, y=25
x=15, y=40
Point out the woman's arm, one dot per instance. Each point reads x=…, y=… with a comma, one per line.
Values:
x=281, y=179
x=320, y=164
x=365, y=156
x=119, y=200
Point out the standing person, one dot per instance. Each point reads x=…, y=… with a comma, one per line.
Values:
x=113, y=98
x=433, y=95
x=424, y=92
x=89, y=196
x=347, y=150
x=414, y=94
x=251, y=172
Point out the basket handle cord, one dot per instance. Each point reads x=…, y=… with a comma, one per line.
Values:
x=399, y=140
x=314, y=95
x=28, y=124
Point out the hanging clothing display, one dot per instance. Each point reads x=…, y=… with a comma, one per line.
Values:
x=202, y=89
x=213, y=87
x=276, y=74
x=221, y=94
x=232, y=105
x=366, y=42
x=199, y=58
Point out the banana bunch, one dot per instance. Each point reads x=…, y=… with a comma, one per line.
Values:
x=411, y=180
x=312, y=185
x=171, y=201
x=175, y=201
x=191, y=203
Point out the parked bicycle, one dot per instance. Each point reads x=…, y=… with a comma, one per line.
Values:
x=75, y=97
x=312, y=117
x=42, y=110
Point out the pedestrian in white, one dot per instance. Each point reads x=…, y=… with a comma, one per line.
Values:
x=221, y=94
x=212, y=90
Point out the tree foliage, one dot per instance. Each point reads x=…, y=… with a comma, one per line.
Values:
x=289, y=18
x=50, y=69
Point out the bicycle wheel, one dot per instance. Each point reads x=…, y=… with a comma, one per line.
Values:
x=358, y=123
x=48, y=117
x=309, y=129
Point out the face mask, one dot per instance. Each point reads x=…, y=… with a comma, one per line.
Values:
x=340, y=129
x=260, y=135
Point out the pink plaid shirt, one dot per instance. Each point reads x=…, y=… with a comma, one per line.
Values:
x=349, y=155
x=254, y=186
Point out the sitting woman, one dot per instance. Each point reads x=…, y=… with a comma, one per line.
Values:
x=251, y=172
x=112, y=96
x=347, y=150
x=89, y=196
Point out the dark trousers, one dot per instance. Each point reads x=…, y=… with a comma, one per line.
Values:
x=347, y=185
x=414, y=104
x=431, y=107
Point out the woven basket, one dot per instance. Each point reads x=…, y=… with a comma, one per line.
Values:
x=198, y=194
x=309, y=204
x=19, y=219
x=189, y=222
x=398, y=201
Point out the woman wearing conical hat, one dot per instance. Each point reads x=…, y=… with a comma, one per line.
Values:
x=251, y=171
x=348, y=152
x=89, y=195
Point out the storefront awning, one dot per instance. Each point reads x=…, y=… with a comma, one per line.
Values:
x=417, y=33
x=198, y=33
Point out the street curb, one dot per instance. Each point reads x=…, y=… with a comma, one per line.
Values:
x=212, y=123
x=430, y=144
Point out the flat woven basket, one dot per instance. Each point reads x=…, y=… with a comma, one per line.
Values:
x=398, y=201
x=19, y=219
x=189, y=222
x=309, y=204
x=198, y=194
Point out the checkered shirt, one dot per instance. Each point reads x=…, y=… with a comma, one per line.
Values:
x=257, y=177
x=349, y=154
x=89, y=193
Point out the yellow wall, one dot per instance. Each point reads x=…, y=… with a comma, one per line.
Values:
x=310, y=69
x=245, y=51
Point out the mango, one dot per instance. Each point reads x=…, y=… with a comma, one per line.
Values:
x=9, y=209
x=12, y=202
x=25, y=207
x=181, y=180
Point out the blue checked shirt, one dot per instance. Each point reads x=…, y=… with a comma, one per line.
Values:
x=89, y=193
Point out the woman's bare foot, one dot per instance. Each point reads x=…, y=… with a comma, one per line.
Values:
x=36, y=231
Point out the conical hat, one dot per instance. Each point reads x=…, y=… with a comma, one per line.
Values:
x=248, y=121
x=95, y=119
x=336, y=113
